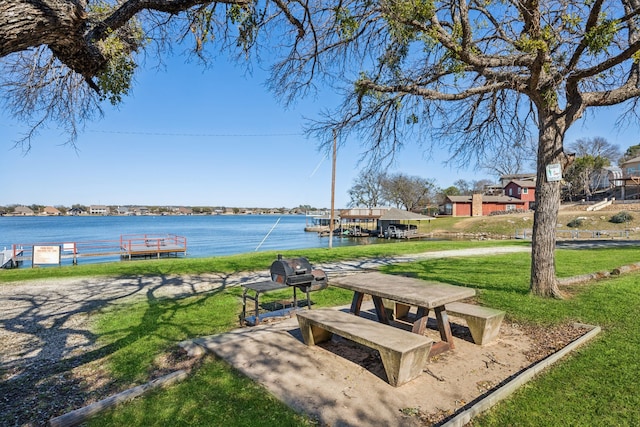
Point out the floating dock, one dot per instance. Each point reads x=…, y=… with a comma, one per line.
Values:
x=148, y=246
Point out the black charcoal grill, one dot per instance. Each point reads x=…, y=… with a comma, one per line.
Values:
x=299, y=273
x=295, y=272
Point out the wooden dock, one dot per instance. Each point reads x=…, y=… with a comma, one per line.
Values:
x=126, y=248
x=10, y=258
x=152, y=246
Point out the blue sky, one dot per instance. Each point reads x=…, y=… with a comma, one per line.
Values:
x=209, y=137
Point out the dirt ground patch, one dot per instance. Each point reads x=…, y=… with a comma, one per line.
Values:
x=341, y=383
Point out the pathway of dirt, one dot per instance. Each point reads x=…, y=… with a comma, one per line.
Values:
x=341, y=383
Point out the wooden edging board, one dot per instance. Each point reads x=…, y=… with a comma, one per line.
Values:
x=81, y=415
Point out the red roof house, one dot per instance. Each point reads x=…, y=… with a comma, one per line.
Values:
x=481, y=205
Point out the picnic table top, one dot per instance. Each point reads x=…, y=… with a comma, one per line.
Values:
x=407, y=290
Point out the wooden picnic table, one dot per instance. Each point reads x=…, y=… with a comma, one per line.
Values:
x=407, y=291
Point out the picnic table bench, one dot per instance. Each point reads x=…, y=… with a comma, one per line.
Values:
x=407, y=291
x=483, y=322
x=403, y=353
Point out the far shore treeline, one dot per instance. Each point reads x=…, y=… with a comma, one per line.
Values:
x=77, y=210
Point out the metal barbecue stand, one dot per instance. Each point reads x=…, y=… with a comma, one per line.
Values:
x=296, y=273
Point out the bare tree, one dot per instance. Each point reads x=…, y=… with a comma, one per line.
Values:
x=513, y=159
x=409, y=192
x=476, y=74
x=596, y=147
x=469, y=187
x=367, y=189
x=467, y=75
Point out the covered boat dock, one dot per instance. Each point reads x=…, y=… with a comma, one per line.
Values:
x=385, y=222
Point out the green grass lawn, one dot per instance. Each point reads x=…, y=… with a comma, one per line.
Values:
x=234, y=263
x=595, y=386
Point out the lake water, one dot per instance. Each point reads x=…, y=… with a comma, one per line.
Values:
x=213, y=235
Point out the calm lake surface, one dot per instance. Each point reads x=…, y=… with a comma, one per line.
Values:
x=206, y=236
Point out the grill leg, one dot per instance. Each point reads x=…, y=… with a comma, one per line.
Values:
x=257, y=308
x=308, y=298
x=243, y=315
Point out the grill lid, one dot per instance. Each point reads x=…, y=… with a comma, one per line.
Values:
x=297, y=272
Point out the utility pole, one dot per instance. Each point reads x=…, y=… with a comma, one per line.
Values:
x=333, y=190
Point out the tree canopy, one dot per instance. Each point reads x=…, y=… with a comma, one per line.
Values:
x=630, y=153
x=475, y=74
x=467, y=75
x=62, y=59
x=596, y=147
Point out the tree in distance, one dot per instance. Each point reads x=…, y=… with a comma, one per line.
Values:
x=587, y=172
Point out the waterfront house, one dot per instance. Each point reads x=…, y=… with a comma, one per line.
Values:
x=524, y=190
x=51, y=211
x=481, y=205
x=23, y=211
x=140, y=210
x=98, y=210
x=76, y=211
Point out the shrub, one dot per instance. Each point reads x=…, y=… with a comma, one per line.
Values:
x=575, y=222
x=621, y=217
x=512, y=211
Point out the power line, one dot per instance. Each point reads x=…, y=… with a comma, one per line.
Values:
x=199, y=135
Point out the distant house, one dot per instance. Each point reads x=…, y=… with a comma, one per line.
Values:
x=76, y=211
x=184, y=211
x=631, y=178
x=23, y=211
x=139, y=210
x=98, y=210
x=506, y=179
x=524, y=190
x=631, y=167
x=123, y=210
x=51, y=211
x=481, y=205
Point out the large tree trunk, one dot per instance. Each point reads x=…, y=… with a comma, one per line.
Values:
x=543, y=269
x=27, y=24
x=60, y=25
